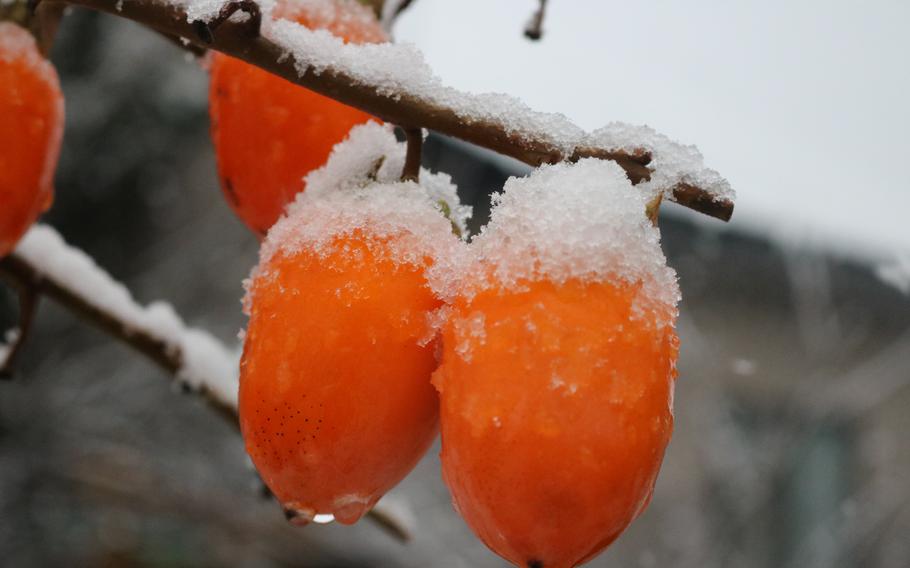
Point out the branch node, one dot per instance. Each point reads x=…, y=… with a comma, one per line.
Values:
x=206, y=30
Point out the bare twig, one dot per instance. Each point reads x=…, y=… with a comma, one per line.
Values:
x=17, y=269
x=534, y=28
x=411, y=171
x=403, y=108
x=28, y=304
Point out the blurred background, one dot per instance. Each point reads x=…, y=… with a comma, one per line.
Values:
x=792, y=404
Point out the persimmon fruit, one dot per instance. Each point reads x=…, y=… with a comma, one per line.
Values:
x=555, y=416
x=336, y=404
x=558, y=368
x=31, y=129
x=268, y=133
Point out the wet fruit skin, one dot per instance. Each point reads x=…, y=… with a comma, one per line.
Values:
x=31, y=128
x=556, y=408
x=336, y=404
x=269, y=133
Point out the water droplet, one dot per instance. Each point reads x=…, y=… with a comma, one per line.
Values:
x=349, y=508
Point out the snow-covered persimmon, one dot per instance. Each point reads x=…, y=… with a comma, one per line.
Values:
x=558, y=368
x=336, y=404
x=31, y=128
x=269, y=133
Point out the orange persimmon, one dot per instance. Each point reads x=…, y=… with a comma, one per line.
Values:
x=268, y=133
x=558, y=366
x=555, y=412
x=336, y=404
x=31, y=128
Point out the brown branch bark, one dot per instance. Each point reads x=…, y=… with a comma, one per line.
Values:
x=534, y=29
x=405, y=109
x=191, y=48
x=17, y=270
x=411, y=171
x=29, y=279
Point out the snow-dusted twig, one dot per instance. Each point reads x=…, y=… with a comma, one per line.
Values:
x=392, y=82
x=45, y=265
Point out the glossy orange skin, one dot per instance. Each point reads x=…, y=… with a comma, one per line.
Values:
x=335, y=393
x=554, y=424
x=31, y=127
x=269, y=133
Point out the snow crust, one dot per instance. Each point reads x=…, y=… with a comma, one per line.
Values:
x=357, y=191
x=673, y=163
x=580, y=221
x=206, y=363
x=203, y=10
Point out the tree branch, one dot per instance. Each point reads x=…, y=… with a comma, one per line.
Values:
x=26, y=276
x=403, y=108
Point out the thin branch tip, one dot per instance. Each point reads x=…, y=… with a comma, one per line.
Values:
x=534, y=28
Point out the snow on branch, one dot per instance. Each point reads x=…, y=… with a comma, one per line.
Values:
x=45, y=265
x=393, y=82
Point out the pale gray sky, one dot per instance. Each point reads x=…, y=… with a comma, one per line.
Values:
x=804, y=106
